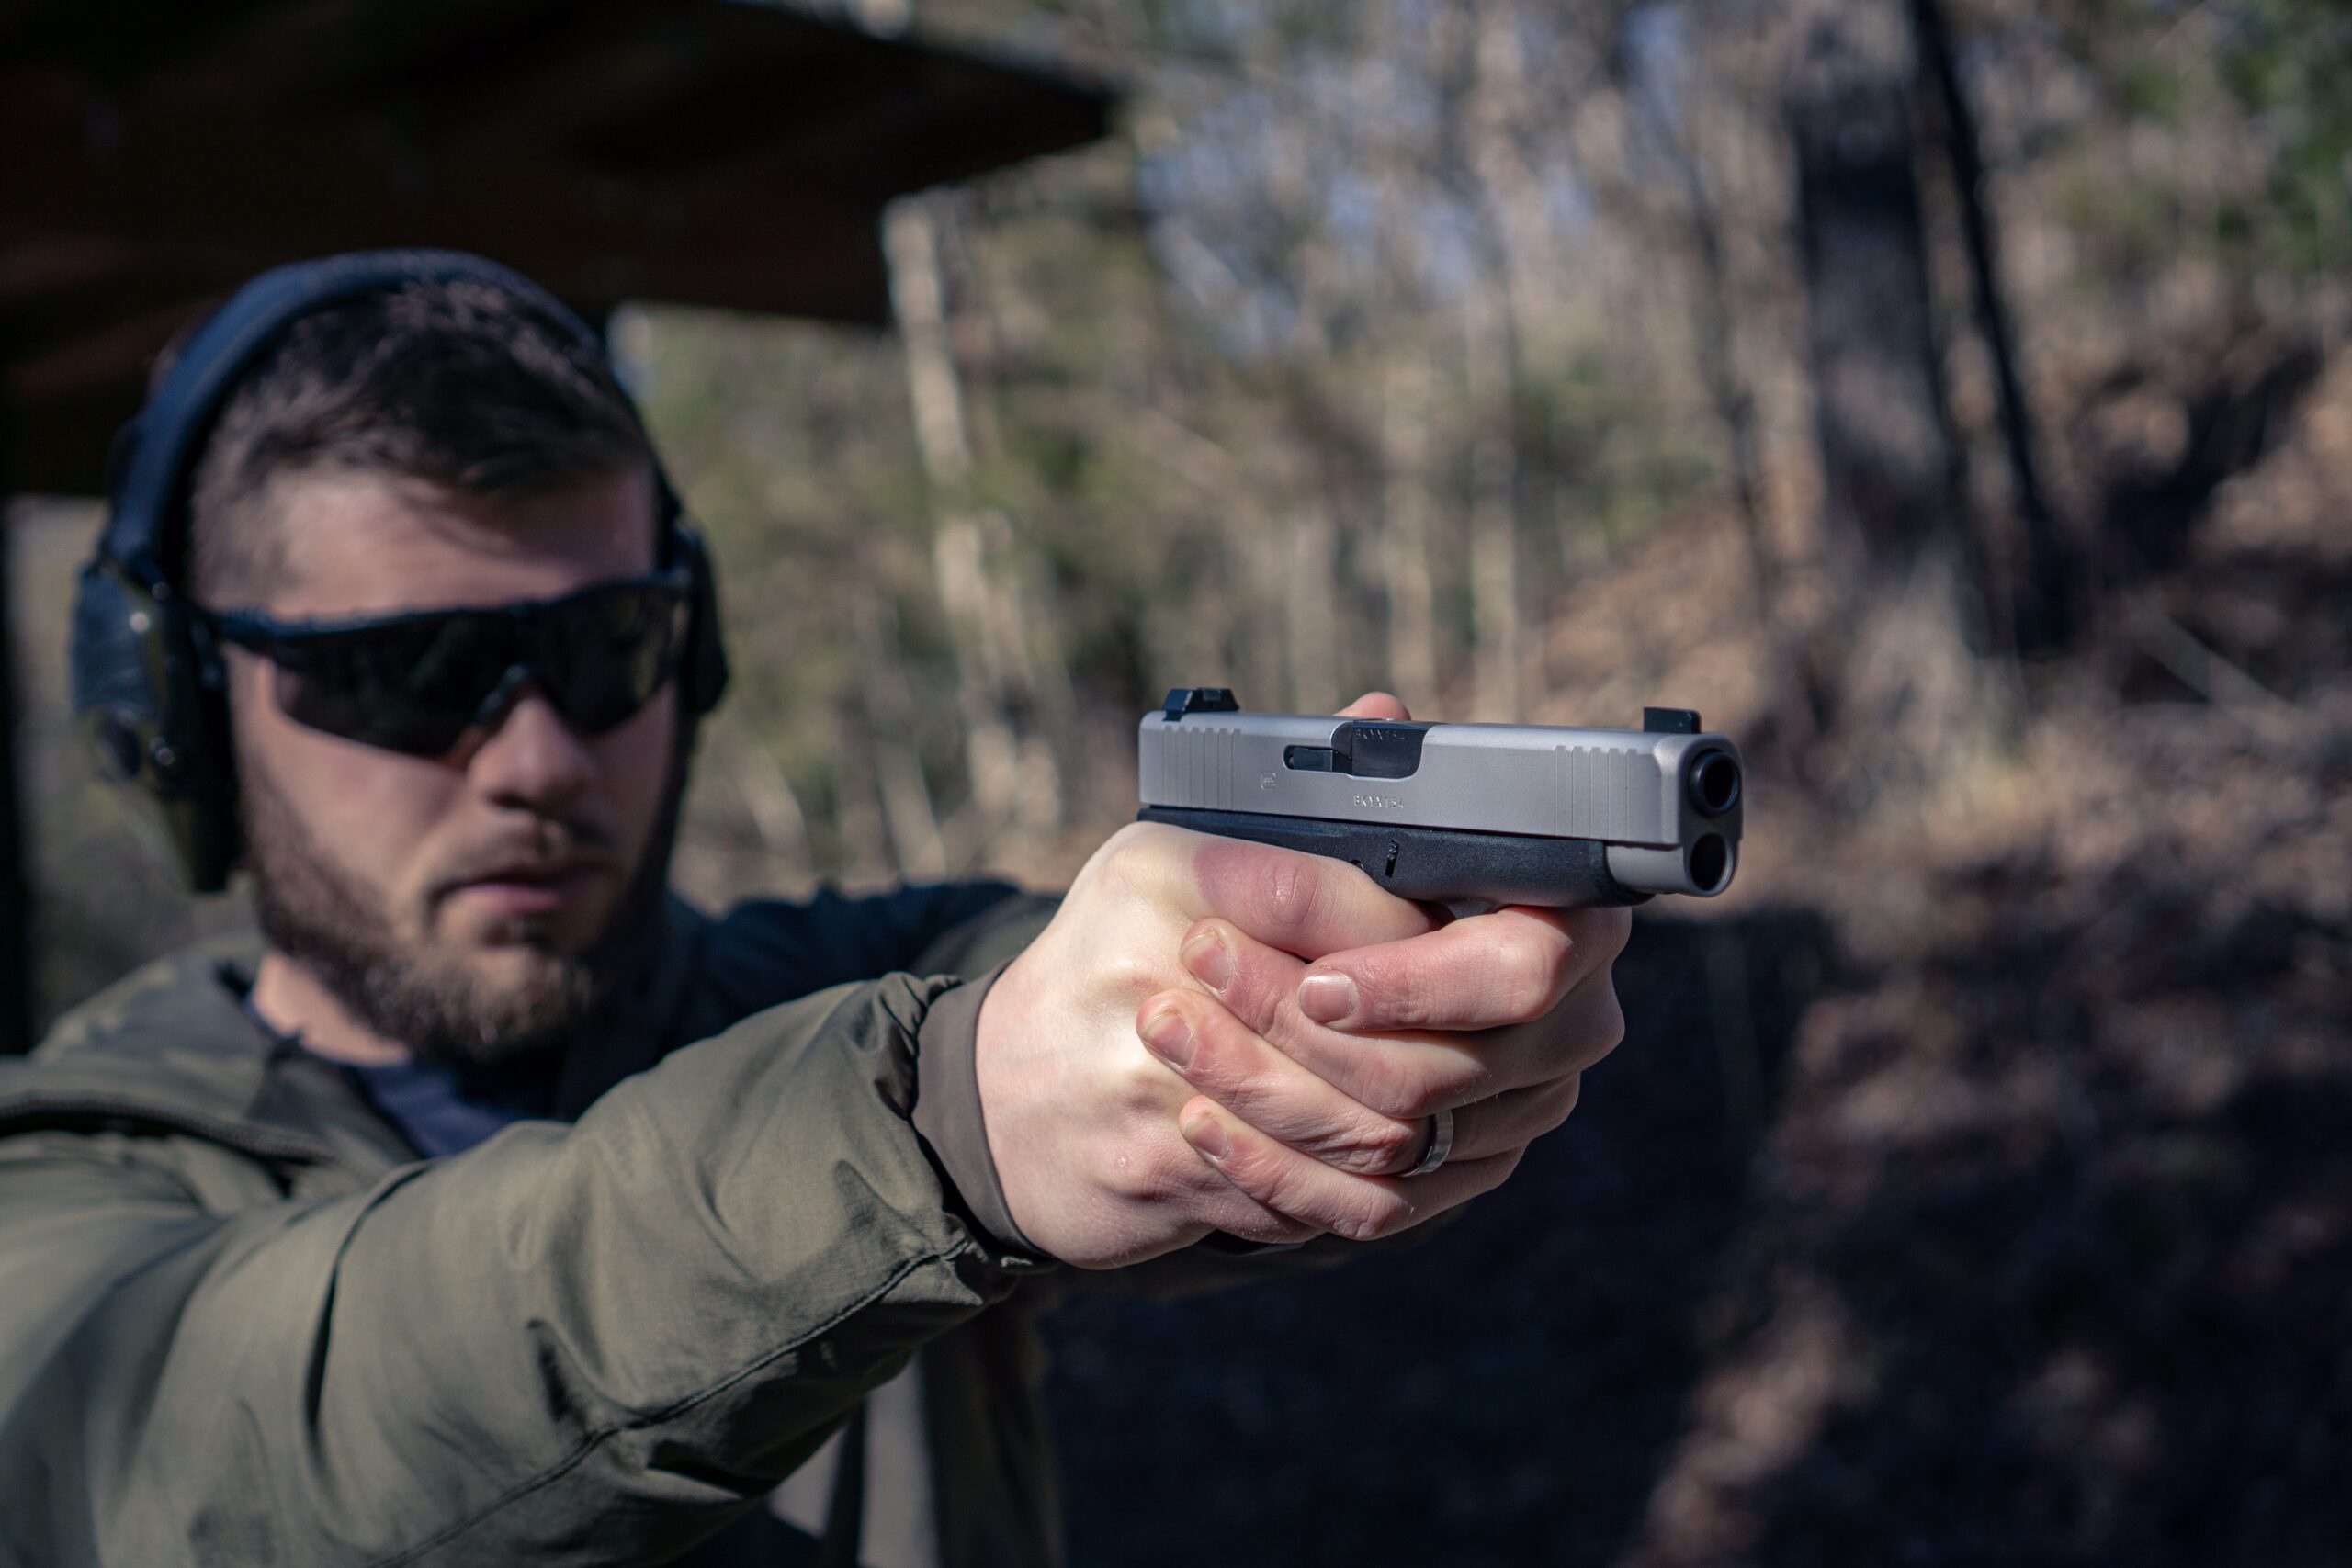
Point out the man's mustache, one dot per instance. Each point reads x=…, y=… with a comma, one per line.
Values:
x=550, y=847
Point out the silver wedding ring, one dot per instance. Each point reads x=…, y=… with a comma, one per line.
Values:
x=1441, y=1143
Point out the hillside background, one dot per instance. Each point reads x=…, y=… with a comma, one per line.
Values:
x=1949, y=400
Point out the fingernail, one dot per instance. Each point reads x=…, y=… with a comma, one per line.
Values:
x=1209, y=961
x=1169, y=1037
x=1206, y=1137
x=1327, y=999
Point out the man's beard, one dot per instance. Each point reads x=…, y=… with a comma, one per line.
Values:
x=410, y=991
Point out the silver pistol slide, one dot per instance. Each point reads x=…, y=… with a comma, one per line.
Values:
x=1457, y=813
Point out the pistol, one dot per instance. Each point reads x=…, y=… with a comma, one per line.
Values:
x=1456, y=813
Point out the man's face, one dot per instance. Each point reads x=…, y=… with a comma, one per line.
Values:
x=475, y=906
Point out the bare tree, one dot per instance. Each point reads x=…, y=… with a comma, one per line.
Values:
x=1897, y=657
x=2041, y=612
x=1405, y=511
x=979, y=623
x=1494, y=316
x=1671, y=135
x=1891, y=474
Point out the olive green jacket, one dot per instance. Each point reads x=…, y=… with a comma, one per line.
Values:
x=241, y=1323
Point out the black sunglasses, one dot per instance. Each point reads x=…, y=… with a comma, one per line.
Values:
x=417, y=683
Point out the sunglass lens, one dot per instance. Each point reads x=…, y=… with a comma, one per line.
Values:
x=411, y=686
x=607, y=653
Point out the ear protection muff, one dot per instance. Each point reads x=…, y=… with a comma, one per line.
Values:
x=149, y=696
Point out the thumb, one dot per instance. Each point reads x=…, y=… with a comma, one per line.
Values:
x=1375, y=704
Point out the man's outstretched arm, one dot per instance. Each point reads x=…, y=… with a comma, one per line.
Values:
x=589, y=1344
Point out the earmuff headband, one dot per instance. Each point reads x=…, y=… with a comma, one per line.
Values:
x=159, y=450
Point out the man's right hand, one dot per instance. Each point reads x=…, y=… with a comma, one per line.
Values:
x=1081, y=1118
x=1088, y=1128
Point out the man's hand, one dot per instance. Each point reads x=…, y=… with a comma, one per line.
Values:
x=1304, y=1026
x=1319, y=1082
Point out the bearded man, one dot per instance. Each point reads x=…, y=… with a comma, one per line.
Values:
x=497, y=1206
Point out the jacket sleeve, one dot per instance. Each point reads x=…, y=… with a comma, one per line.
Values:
x=582, y=1345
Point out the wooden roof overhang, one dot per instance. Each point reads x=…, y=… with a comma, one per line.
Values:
x=153, y=154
